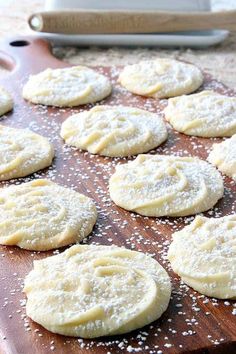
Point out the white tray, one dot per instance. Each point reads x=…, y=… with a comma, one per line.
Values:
x=171, y=5
x=199, y=39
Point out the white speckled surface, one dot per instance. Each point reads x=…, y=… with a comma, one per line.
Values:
x=220, y=61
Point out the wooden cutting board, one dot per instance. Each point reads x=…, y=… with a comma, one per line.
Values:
x=193, y=323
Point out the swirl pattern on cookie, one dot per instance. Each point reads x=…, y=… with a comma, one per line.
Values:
x=41, y=215
x=159, y=185
x=23, y=152
x=206, y=114
x=6, y=101
x=114, y=130
x=223, y=156
x=66, y=87
x=92, y=291
x=203, y=254
x=161, y=78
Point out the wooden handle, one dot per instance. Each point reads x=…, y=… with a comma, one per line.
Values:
x=128, y=21
x=17, y=52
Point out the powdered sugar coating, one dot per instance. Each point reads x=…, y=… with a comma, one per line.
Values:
x=6, y=101
x=114, y=130
x=188, y=319
x=206, y=114
x=67, y=87
x=22, y=152
x=158, y=185
x=92, y=291
x=41, y=215
x=223, y=156
x=203, y=254
x=161, y=78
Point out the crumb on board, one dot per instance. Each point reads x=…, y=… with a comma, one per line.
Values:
x=187, y=306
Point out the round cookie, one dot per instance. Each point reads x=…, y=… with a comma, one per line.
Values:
x=6, y=101
x=203, y=254
x=206, y=114
x=114, y=130
x=41, y=215
x=23, y=152
x=159, y=185
x=161, y=78
x=92, y=291
x=66, y=87
x=223, y=156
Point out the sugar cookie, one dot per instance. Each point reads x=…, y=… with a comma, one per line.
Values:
x=22, y=152
x=41, y=215
x=223, y=156
x=92, y=291
x=206, y=114
x=159, y=185
x=203, y=254
x=114, y=130
x=161, y=78
x=67, y=87
x=6, y=101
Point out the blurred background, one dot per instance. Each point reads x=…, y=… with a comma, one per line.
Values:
x=219, y=60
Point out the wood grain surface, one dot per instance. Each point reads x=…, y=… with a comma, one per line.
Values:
x=193, y=323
